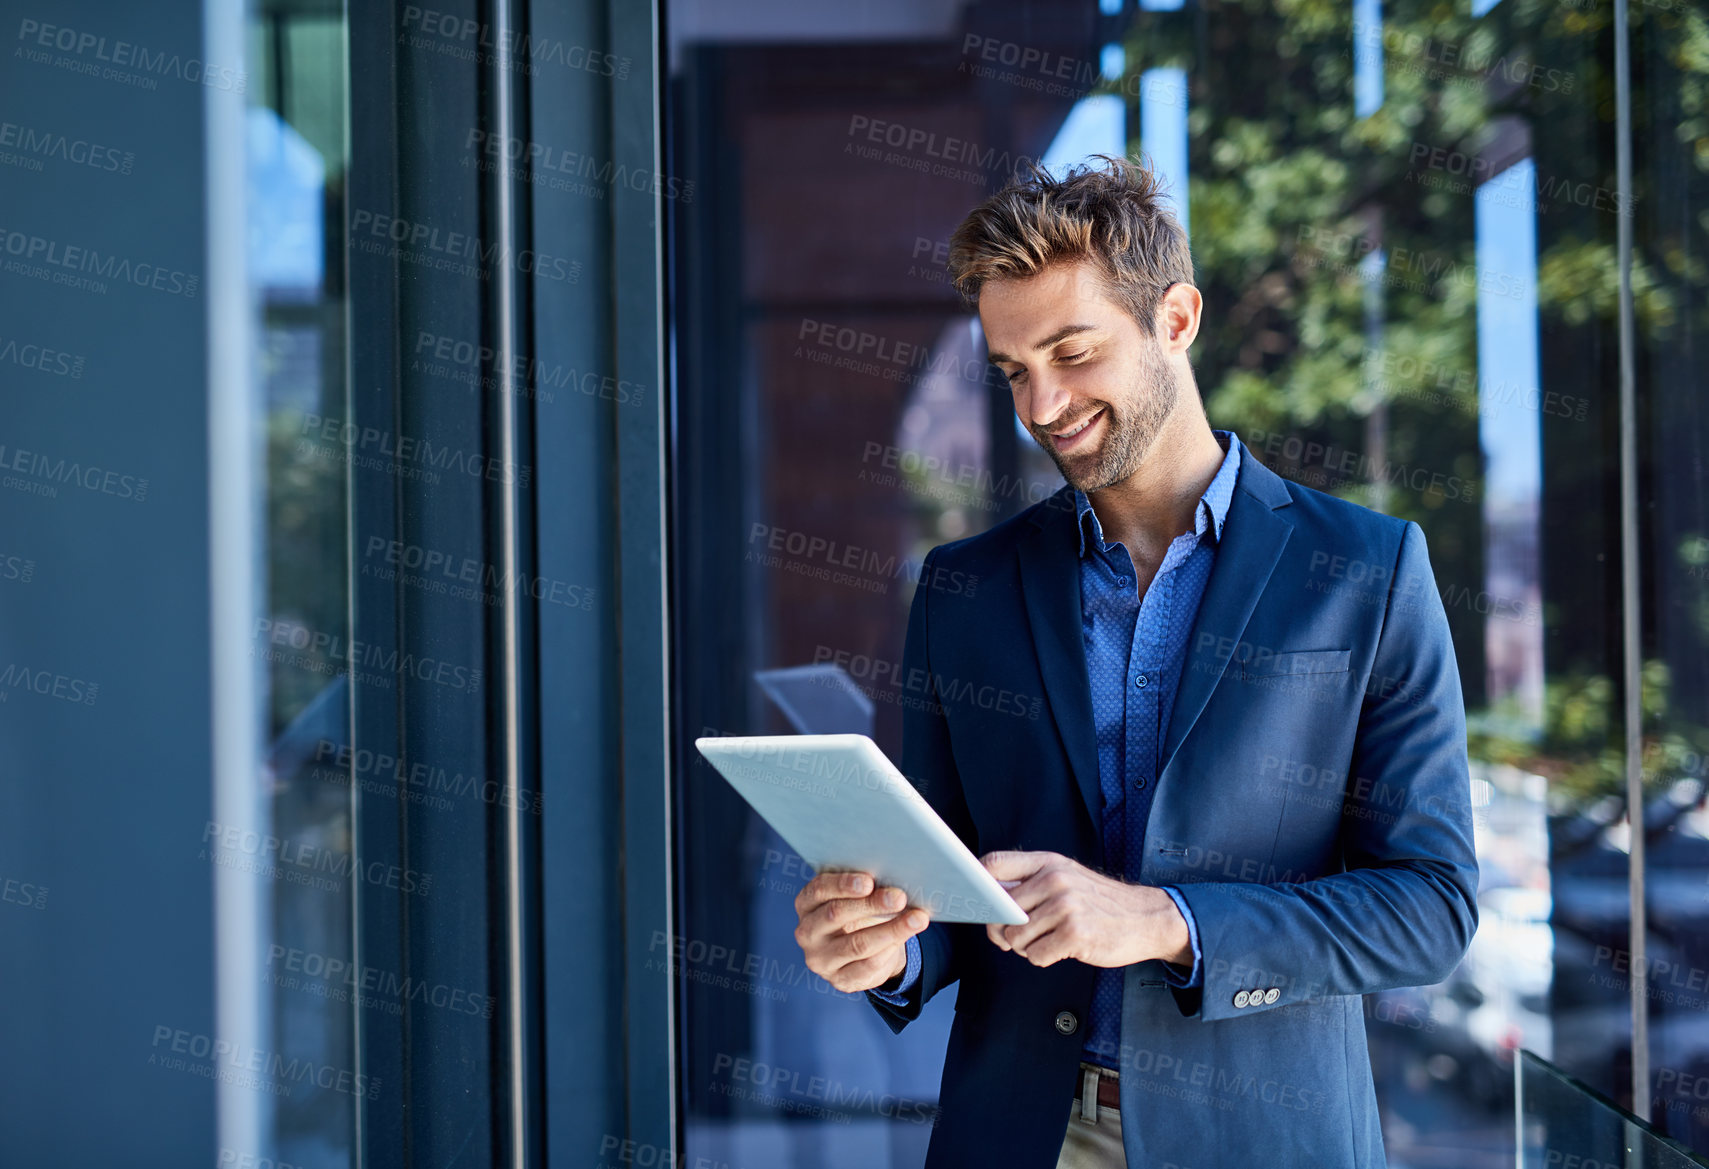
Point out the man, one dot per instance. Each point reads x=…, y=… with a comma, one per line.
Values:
x=1249, y=804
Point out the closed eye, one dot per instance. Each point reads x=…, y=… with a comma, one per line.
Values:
x=1061, y=358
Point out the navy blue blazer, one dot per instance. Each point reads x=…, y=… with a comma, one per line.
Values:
x=1312, y=805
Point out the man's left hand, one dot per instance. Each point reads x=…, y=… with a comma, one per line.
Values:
x=1074, y=912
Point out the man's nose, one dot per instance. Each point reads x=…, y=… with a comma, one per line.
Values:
x=1048, y=402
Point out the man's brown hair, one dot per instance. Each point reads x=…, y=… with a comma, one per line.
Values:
x=1112, y=214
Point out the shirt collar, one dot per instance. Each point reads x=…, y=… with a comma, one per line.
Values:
x=1213, y=504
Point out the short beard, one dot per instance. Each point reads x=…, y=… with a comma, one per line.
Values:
x=1127, y=439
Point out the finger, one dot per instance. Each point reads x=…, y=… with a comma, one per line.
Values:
x=827, y=886
x=874, y=941
x=845, y=914
x=885, y=903
x=1049, y=948
x=1040, y=921
x=866, y=922
x=1010, y=865
x=1040, y=887
x=994, y=931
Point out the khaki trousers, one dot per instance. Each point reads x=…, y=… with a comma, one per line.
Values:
x=1094, y=1139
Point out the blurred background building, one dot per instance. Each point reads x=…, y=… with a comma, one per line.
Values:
x=418, y=424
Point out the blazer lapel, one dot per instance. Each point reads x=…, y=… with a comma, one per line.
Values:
x=1050, y=579
x=1253, y=537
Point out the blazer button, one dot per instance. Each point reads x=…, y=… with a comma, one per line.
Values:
x=1241, y=998
x=1066, y=1022
x=1272, y=995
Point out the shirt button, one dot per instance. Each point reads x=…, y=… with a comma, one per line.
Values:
x=1141, y=681
x=1139, y=784
x=1066, y=1022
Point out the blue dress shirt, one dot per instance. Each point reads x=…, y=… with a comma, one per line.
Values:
x=1135, y=649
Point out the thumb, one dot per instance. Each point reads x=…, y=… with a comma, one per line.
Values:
x=1014, y=866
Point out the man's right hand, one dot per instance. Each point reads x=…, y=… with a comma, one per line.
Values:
x=852, y=937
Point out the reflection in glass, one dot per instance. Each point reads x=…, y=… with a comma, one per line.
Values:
x=1404, y=223
x=1510, y=434
x=1564, y=1122
x=297, y=142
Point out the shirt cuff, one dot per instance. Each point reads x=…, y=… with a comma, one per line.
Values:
x=1171, y=971
x=910, y=975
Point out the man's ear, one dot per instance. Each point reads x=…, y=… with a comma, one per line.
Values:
x=1178, y=316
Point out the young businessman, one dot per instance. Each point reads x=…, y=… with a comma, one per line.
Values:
x=1249, y=803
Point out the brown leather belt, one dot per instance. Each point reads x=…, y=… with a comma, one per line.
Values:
x=1109, y=1085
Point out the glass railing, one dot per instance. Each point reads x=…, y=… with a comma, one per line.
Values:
x=1561, y=1124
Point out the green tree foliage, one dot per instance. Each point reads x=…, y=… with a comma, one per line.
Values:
x=1337, y=258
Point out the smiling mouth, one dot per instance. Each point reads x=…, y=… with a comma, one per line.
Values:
x=1069, y=439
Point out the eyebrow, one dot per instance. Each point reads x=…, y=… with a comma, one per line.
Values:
x=1061, y=334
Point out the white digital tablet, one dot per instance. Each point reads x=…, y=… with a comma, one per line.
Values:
x=844, y=807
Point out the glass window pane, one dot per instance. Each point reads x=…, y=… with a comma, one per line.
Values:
x=297, y=170
x=1404, y=225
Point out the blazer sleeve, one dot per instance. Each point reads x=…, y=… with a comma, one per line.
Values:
x=1404, y=910
x=930, y=767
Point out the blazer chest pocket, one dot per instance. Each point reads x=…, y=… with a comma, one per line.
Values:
x=1299, y=661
